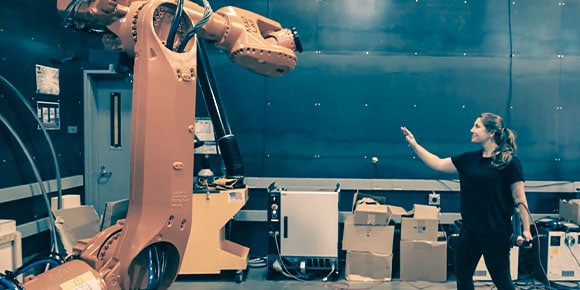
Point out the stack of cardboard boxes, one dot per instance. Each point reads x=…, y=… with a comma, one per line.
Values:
x=368, y=240
x=423, y=247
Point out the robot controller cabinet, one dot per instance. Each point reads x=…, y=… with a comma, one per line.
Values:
x=303, y=234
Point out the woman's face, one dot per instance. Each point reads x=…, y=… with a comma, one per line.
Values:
x=479, y=133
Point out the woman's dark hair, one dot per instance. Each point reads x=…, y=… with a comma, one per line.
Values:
x=505, y=139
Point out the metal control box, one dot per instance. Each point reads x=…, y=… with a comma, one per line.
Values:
x=303, y=232
x=560, y=252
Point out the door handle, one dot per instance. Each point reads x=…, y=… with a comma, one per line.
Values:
x=104, y=174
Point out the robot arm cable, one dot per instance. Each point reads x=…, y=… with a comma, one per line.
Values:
x=33, y=264
x=8, y=284
x=175, y=25
x=189, y=35
x=75, y=4
x=156, y=267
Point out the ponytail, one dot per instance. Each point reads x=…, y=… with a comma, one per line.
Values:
x=505, y=139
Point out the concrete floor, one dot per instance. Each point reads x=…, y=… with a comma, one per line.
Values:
x=256, y=275
x=256, y=280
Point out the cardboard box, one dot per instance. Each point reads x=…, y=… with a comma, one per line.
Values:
x=368, y=266
x=365, y=238
x=367, y=211
x=11, y=251
x=67, y=201
x=424, y=225
x=482, y=274
x=419, y=229
x=7, y=227
x=570, y=210
x=423, y=261
x=564, y=208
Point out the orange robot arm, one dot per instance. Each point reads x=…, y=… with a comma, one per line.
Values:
x=145, y=250
x=251, y=40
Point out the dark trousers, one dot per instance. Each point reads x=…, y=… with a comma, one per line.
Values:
x=496, y=253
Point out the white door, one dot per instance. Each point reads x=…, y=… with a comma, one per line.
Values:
x=108, y=97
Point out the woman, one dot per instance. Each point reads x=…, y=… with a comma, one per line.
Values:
x=492, y=182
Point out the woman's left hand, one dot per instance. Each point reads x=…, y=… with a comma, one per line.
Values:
x=527, y=235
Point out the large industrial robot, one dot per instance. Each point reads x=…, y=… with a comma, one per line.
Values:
x=146, y=249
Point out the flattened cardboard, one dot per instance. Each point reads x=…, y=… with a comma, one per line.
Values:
x=394, y=212
x=421, y=211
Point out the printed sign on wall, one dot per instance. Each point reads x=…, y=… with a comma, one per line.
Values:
x=49, y=114
x=47, y=81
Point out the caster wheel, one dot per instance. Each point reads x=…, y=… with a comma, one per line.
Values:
x=240, y=276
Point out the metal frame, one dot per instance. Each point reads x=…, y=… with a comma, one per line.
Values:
x=33, y=189
x=397, y=184
x=389, y=185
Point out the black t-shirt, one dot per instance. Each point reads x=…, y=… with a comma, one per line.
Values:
x=486, y=197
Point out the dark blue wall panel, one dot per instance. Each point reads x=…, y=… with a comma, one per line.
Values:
x=371, y=66
x=368, y=67
x=30, y=34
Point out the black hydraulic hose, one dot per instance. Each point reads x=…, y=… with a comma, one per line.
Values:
x=209, y=90
x=53, y=153
x=226, y=140
x=38, y=179
x=174, y=24
x=46, y=136
x=9, y=285
x=207, y=12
